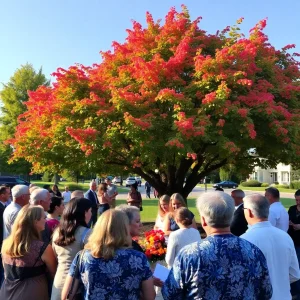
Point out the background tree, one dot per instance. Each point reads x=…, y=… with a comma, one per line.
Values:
x=171, y=98
x=13, y=97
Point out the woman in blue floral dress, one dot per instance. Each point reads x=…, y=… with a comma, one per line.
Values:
x=108, y=268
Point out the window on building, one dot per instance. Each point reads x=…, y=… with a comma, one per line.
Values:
x=285, y=177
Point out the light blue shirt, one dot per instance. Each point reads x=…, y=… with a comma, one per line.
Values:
x=9, y=216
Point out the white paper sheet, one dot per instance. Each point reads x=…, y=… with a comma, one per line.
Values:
x=161, y=272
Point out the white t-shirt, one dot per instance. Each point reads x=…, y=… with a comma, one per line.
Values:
x=279, y=251
x=179, y=239
x=66, y=196
x=278, y=216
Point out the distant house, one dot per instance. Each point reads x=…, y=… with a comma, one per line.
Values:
x=281, y=174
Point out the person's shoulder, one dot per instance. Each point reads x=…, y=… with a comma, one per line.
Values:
x=244, y=243
x=193, y=231
x=130, y=252
x=191, y=250
x=293, y=207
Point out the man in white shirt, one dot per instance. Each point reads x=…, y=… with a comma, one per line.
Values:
x=278, y=215
x=66, y=195
x=20, y=194
x=276, y=245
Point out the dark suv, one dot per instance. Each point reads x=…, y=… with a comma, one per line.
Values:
x=12, y=181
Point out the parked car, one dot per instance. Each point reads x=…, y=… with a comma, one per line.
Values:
x=130, y=181
x=138, y=180
x=12, y=181
x=117, y=179
x=226, y=184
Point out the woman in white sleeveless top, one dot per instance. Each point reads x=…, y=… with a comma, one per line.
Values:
x=163, y=209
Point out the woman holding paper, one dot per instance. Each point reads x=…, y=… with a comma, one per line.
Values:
x=182, y=237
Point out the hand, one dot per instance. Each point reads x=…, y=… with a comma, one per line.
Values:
x=291, y=223
x=158, y=282
x=116, y=193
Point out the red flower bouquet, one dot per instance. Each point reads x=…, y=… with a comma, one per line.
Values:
x=154, y=245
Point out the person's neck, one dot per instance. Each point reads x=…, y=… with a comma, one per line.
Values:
x=181, y=226
x=238, y=203
x=54, y=215
x=275, y=201
x=18, y=202
x=257, y=220
x=216, y=231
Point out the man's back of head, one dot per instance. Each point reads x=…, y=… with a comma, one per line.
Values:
x=238, y=196
x=77, y=194
x=256, y=208
x=41, y=197
x=272, y=194
x=20, y=194
x=217, y=208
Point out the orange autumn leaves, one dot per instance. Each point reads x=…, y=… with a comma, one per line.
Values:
x=160, y=96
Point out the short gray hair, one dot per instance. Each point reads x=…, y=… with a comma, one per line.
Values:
x=130, y=211
x=238, y=193
x=19, y=190
x=77, y=194
x=217, y=208
x=258, y=204
x=38, y=195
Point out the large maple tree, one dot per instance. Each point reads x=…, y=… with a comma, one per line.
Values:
x=171, y=102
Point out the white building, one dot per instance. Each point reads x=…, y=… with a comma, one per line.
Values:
x=282, y=174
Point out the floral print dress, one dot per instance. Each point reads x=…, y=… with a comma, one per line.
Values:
x=117, y=278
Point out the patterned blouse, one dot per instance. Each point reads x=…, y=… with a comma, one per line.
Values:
x=117, y=278
x=220, y=267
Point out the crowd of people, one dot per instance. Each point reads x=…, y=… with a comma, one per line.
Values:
x=81, y=246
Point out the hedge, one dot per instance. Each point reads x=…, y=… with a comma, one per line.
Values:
x=265, y=184
x=295, y=185
x=251, y=183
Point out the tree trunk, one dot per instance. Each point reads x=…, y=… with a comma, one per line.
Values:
x=173, y=181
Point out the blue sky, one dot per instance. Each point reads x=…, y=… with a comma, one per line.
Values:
x=59, y=33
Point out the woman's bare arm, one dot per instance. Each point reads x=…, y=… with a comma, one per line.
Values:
x=49, y=259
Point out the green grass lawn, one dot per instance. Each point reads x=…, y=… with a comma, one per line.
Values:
x=150, y=208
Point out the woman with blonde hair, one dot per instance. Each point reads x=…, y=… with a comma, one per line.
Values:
x=176, y=201
x=26, y=257
x=108, y=268
x=163, y=209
